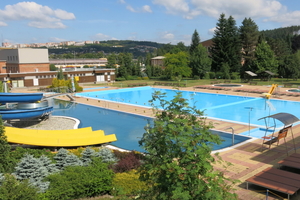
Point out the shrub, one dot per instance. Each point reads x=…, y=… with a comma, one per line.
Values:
x=35, y=170
x=107, y=155
x=219, y=75
x=212, y=75
x=145, y=78
x=196, y=77
x=80, y=181
x=87, y=155
x=121, y=79
x=64, y=158
x=12, y=189
x=128, y=183
x=127, y=161
x=235, y=76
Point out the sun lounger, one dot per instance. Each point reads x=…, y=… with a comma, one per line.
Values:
x=278, y=180
x=291, y=161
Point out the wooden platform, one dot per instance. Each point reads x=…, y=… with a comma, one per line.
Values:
x=278, y=180
x=291, y=161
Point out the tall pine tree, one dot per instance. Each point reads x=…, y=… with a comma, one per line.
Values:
x=249, y=36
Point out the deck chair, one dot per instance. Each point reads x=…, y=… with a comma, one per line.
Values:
x=269, y=140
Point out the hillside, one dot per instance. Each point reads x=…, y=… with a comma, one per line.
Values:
x=137, y=48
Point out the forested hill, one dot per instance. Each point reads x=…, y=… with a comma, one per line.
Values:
x=281, y=33
x=137, y=48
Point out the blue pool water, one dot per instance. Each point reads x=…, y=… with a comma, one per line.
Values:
x=128, y=128
x=227, y=107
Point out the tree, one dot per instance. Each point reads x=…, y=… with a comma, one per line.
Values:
x=87, y=155
x=4, y=150
x=265, y=59
x=226, y=48
x=52, y=67
x=195, y=42
x=107, y=155
x=249, y=35
x=177, y=65
x=60, y=75
x=178, y=161
x=64, y=158
x=200, y=63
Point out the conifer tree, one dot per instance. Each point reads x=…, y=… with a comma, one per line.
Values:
x=64, y=158
x=195, y=42
x=106, y=155
x=249, y=35
x=226, y=48
x=34, y=170
x=86, y=156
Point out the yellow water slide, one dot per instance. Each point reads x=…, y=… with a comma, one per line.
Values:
x=58, y=138
x=272, y=89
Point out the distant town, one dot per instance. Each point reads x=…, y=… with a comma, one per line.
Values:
x=48, y=44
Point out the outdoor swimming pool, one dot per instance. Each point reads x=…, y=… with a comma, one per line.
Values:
x=128, y=128
x=245, y=110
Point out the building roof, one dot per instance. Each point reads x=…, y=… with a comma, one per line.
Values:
x=158, y=58
x=251, y=73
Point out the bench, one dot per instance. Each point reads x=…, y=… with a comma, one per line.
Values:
x=278, y=180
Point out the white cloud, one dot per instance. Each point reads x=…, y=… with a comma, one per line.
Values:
x=212, y=31
x=131, y=9
x=147, y=8
x=168, y=36
x=55, y=39
x=3, y=24
x=122, y=1
x=101, y=36
x=36, y=14
x=269, y=10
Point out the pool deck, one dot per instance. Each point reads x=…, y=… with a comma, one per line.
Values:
x=247, y=160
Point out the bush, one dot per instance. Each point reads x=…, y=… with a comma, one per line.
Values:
x=235, y=75
x=219, y=75
x=12, y=189
x=20, y=152
x=212, y=75
x=127, y=161
x=107, y=155
x=120, y=79
x=196, y=77
x=80, y=181
x=128, y=183
x=145, y=78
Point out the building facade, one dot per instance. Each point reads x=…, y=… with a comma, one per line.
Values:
x=30, y=67
x=25, y=60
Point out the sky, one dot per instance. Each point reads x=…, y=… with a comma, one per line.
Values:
x=162, y=21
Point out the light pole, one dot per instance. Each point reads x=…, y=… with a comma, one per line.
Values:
x=250, y=109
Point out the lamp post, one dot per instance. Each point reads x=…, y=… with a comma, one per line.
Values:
x=250, y=109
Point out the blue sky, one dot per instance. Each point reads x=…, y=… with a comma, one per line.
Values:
x=163, y=21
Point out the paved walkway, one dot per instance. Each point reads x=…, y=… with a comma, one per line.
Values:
x=248, y=159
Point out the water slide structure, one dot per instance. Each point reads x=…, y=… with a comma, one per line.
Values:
x=23, y=106
x=272, y=89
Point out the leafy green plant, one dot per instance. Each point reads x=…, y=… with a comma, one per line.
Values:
x=12, y=189
x=178, y=163
x=128, y=183
x=80, y=181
